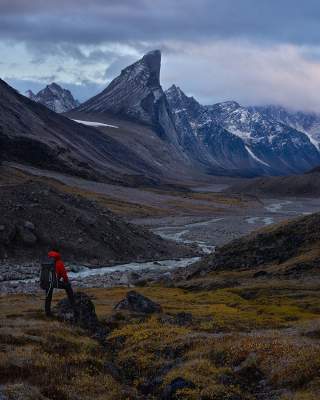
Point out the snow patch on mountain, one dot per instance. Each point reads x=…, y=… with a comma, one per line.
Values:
x=255, y=157
x=95, y=124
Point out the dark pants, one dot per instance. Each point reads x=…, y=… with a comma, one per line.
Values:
x=59, y=285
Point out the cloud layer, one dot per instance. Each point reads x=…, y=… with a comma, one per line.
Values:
x=247, y=50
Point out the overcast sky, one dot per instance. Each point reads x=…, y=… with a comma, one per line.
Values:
x=251, y=51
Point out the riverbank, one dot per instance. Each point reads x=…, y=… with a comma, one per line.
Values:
x=203, y=233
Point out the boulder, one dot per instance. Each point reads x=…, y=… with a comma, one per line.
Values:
x=175, y=385
x=86, y=316
x=248, y=373
x=136, y=302
x=27, y=236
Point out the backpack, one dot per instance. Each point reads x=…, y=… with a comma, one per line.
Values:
x=48, y=275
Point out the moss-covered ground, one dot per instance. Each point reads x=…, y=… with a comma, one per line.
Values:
x=251, y=341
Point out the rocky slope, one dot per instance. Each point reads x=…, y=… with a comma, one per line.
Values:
x=36, y=217
x=32, y=134
x=288, y=249
x=55, y=98
x=241, y=139
x=307, y=122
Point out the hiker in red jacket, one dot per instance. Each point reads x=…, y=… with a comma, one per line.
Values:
x=62, y=282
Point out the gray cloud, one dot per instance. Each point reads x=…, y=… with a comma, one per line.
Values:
x=122, y=21
x=253, y=51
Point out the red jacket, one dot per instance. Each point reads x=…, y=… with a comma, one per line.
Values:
x=60, y=268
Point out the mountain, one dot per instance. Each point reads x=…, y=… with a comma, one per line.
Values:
x=241, y=139
x=32, y=134
x=137, y=94
x=139, y=133
x=117, y=151
x=206, y=140
x=55, y=98
x=307, y=122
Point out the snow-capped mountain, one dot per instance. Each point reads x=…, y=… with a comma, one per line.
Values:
x=242, y=139
x=137, y=94
x=55, y=98
x=224, y=138
x=306, y=122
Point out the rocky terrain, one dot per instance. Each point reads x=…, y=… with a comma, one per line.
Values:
x=307, y=122
x=54, y=97
x=36, y=217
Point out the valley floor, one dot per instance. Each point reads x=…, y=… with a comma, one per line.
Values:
x=205, y=218
x=226, y=336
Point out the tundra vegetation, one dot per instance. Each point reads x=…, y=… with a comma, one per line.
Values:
x=258, y=339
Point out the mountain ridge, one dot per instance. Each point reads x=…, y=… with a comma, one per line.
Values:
x=252, y=143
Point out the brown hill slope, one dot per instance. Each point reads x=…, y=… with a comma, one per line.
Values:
x=35, y=217
x=305, y=185
x=289, y=248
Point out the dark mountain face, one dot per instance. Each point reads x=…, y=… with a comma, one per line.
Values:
x=137, y=94
x=31, y=133
x=240, y=139
x=127, y=153
x=55, y=98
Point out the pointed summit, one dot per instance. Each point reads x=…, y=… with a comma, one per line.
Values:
x=137, y=94
x=134, y=93
x=55, y=98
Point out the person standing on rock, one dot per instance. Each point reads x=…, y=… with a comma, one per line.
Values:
x=59, y=281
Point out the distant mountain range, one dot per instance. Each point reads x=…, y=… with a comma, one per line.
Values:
x=224, y=138
x=243, y=140
x=55, y=98
x=161, y=134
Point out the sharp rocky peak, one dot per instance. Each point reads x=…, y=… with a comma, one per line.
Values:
x=54, y=97
x=137, y=94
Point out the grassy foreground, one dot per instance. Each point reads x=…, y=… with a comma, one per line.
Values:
x=252, y=341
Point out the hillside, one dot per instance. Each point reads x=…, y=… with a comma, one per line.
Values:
x=304, y=185
x=288, y=249
x=36, y=217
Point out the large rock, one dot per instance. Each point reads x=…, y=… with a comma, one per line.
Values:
x=136, y=302
x=85, y=317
